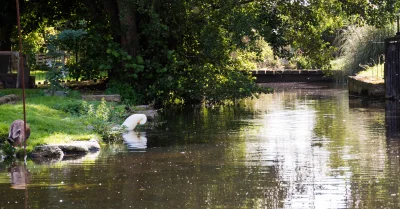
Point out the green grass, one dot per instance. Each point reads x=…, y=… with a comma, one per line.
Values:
x=48, y=122
x=374, y=71
x=40, y=76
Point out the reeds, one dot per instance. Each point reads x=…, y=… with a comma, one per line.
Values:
x=362, y=47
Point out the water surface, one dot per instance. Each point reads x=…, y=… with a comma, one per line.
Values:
x=310, y=147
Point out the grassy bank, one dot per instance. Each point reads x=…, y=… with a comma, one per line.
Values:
x=374, y=71
x=51, y=118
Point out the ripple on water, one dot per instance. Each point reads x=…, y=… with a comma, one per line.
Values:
x=300, y=148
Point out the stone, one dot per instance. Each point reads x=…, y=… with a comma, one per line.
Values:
x=80, y=147
x=142, y=107
x=108, y=98
x=73, y=148
x=92, y=145
x=47, y=151
x=150, y=114
x=366, y=86
x=9, y=98
x=61, y=150
x=56, y=93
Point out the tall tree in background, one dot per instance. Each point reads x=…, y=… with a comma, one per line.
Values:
x=190, y=50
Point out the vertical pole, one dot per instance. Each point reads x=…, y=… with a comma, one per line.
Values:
x=21, y=66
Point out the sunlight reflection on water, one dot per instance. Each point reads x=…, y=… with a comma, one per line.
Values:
x=296, y=148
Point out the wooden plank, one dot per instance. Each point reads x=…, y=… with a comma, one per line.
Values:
x=108, y=98
x=6, y=52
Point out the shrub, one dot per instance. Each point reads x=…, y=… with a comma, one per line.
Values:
x=302, y=63
x=104, y=118
x=128, y=94
x=74, y=107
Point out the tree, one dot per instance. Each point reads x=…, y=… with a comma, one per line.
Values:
x=187, y=50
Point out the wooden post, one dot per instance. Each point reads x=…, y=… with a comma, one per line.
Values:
x=392, y=67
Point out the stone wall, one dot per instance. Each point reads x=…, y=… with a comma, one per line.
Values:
x=364, y=87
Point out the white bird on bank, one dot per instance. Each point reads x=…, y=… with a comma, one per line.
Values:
x=133, y=120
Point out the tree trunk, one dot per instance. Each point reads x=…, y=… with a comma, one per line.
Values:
x=129, y=35
x=122, y=17
x=5, y=45
x=111, y=9
x=26, y=74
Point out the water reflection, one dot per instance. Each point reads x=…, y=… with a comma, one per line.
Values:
x=135, y=142
x=20, y=177
x=392, y=118
x=296, y=148
x=88, y=158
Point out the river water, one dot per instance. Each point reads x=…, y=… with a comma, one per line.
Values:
x=309, y=147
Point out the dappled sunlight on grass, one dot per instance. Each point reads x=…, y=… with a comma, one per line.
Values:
x=374, y=71
x=57, y=138
x=36, y=110
x=48, y=124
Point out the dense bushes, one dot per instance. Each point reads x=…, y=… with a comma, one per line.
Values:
x=104, y=117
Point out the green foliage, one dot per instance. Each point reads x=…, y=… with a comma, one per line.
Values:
x=181, y=51
x=128, y=94
x=104, y=118
x=57, y=70
x=3, y=133
x=73, y=107
x=266, y=57
x=56, y=73
x=362, y=47
x=302, y=62
x=32, y=44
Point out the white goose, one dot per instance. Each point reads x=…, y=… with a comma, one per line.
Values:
x=133, y=120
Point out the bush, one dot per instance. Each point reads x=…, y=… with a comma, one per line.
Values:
x=302, y=63
x=128, y=94
x=74, y=107
x=54, y=76
x=105, y=119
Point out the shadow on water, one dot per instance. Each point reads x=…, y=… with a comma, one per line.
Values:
x=392, y=118
x=200, y=125
x=304, y=146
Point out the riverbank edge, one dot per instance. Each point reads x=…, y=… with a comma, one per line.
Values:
x=366, y=86
x=75, y=147
x=79, y=148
